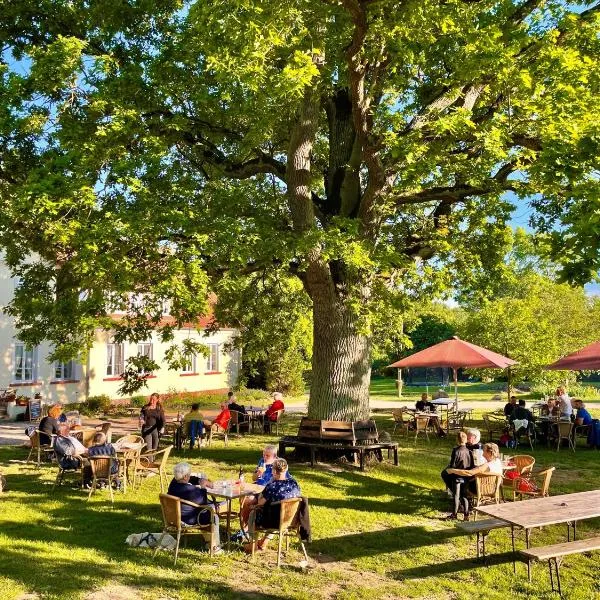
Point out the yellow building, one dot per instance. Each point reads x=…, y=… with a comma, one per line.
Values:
x=29, y=372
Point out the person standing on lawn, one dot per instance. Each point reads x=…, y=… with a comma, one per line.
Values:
x=461, y=458
x=152, y=421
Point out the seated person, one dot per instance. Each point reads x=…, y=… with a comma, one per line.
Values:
x=186, y=486
x=424, y=404
x=241, y=419
x=271, y=412
x=510, y=406
x=492, y=465
x=100, y=448
x=461, y=458
x=233, y=405
x=69, y=450
x=583, y=416
x=193, y=425
x=49, y=425
x=65, y=432
x=522, y=419
x=279, y=488
x=221, y=421
x=264, y=469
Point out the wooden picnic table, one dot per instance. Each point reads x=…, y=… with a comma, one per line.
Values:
x=540, y=512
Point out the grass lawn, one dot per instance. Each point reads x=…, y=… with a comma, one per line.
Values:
x=377, y=534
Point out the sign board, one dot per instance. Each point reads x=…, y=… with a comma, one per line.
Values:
x=35, y=410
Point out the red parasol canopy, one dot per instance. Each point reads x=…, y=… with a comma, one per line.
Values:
x=456, y=354
x=586, y=359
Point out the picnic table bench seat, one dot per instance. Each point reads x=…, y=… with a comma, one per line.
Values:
x=481, y=529
x=359, y=437
x=554, y=555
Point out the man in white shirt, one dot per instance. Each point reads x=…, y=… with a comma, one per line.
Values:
x=65, y=432
x=566, y=408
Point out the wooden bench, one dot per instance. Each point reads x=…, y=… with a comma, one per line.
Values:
x=481, y=529
x=359, y=437
x=554, y=555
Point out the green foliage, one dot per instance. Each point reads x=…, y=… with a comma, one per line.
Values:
x=95, y=404
x=273, y=317
x=139, y=400
x=152, y=149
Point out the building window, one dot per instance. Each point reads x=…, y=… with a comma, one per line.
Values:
x=115, y=360
x=25, y=363
x=64, y=371
x=145, y=349
x=212, y=361
x=190, y=365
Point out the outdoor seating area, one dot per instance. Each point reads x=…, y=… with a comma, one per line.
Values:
x=495, y=532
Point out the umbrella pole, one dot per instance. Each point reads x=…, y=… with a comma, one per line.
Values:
x=454, y=372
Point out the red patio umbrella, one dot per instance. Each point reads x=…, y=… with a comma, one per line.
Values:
x=586, y=359
x=455, y=354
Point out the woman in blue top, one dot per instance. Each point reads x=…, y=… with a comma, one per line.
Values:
x=279, y=488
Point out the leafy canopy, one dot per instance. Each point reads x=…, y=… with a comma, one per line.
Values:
x=363, y=146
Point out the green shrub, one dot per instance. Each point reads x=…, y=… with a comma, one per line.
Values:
x=96, y=404
x=139, y=400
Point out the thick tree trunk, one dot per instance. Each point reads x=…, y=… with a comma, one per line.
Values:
x=341, y=364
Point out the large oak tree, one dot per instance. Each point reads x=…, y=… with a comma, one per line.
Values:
x=168, y=148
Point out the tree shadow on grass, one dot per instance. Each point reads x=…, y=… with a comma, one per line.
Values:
x=362, y=492
x=451, y=567
x=372, y=543
x=70, y=577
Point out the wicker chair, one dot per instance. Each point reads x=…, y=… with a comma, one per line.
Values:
x=62, y=472
x=102, y=473
x=155, y=462
x=216, y=430
x=421, y=426
x=542, y=478
x=523, y=465
x=129, y=461
x=44, y=451
x=399, y=421
x=495, y=425
x=106, y=429
x=276, y=421
x=172, y=524
x=488, y=491
x=565, y=432
x=130, y=440
x=289, y=524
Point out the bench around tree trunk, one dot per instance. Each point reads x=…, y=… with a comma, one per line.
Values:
x=358, y=437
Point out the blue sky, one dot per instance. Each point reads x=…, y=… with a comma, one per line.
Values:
x=520, y=218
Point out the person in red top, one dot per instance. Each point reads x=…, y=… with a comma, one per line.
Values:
x=222, y=419
x=271, y=413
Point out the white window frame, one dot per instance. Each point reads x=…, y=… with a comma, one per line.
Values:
x=20, y=348
x=111, y=363
x=61, y=372
x=212, y=360
x=190, y=366
x=146, y=349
